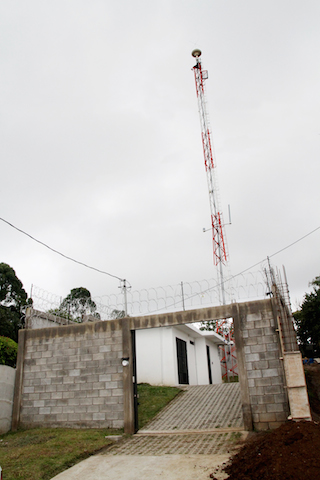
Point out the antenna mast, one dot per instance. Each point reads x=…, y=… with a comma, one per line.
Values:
x=220, y=256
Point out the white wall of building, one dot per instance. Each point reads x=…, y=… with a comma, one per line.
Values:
x=156, y=356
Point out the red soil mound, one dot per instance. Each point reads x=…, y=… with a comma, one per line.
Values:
x=291, y=452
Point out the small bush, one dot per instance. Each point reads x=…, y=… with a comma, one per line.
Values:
x=8, y=352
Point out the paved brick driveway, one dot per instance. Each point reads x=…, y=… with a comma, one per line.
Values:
x=203, y=420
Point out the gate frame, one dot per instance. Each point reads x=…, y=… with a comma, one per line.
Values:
x=233, y=311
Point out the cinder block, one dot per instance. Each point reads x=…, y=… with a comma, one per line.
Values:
x=104, y=393
x=269, y=331
x=261, y=365
x=33, y=396
x=282, y=416
x=268, y=417
x=269, y=355
x=98, y=356
x=86, y=401
x=55, y=410
x=99, y=416
x=117, y=392
x=270, y=372
x=118, y=408
x=110, y=385
x=250, y=341
x=104, y=348
x=68, y=380
x=28, y=390
x=255, y=393
x=39, y=418
x=93, y=408
x=272, y=347
x=80, y=409
x=272, y=390
x=252, y=357
x=280, y=398
x=259, y=408
x=254, y=374
x=116, y=347
x=275, y=407
x=277, y=381
x=51, y=388
x=117, y=423
x=67, y=394
x=274, y=363
x=86, y=357
x=45, y=410
x=68, y=409
x=262, y=382
x=74, y=417
x=262, y=323
x=50, y=403
x=266, y=399
x=81, y=379
x=47, y=354
x=258, y=349
x=105, y=378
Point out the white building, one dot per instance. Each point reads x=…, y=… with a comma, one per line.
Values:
x=178, y=355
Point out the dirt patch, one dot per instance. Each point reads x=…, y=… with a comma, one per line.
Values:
x=312, y=373
x=291, y=452
x=288, y=453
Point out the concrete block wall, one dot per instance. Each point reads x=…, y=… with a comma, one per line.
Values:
x=72, y=376
x=7, y=380
x=264, y=368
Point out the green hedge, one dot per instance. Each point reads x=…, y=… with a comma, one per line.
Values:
x=8, y=352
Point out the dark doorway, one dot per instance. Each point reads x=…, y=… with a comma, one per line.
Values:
x=183, y=376
x=209, y=365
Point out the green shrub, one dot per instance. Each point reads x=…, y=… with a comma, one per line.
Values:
x=8, y=352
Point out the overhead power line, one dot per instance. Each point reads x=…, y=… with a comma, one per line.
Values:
x=121, y=279
x=245, y=270
x=59, y=253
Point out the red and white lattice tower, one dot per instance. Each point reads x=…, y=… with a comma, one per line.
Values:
x=220, y=256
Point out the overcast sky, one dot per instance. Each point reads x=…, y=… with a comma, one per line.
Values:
x=101, y=154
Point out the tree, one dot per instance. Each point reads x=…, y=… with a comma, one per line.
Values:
x=116, y=314
x=77, y=304
x=307, y=321
x=8, y=352
x=13, y=300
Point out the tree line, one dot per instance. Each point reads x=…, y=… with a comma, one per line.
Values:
x=14, y=301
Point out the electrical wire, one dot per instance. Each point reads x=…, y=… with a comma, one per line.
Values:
x=59, y=253
x=121, y=279
x=240, y=273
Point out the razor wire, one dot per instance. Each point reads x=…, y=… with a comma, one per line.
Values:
x=182, y=296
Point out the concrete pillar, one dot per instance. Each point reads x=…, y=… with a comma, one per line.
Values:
x=243, y=377
x=128, y=399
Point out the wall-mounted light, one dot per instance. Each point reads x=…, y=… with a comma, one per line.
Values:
x=125, y=362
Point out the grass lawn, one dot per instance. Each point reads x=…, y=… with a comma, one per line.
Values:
x=42, y=453
x=152, y=400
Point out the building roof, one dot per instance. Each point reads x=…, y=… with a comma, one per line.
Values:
x=195, y=332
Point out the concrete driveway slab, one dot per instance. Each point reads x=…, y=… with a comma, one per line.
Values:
x=127, y=467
